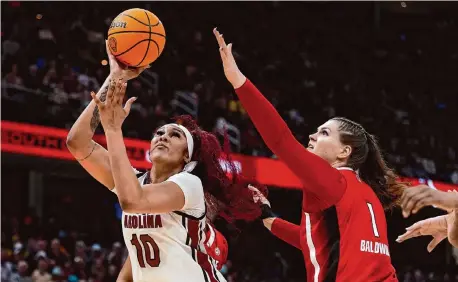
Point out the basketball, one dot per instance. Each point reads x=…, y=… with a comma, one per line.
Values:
x=136, y=37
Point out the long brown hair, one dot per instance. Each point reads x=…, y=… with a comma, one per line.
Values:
x=366, y=158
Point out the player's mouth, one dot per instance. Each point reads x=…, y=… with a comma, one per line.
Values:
x=310, y=146
x=160, y=146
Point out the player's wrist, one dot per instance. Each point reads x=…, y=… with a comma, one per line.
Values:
x=268, y=222
x=239, y=81
x=266, y=212
x=113, y=131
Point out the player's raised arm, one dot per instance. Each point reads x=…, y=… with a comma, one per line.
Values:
x=92, y=156
x=317, y=175
x=178, y=192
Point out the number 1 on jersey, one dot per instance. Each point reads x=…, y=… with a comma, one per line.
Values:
x=374, y=224
x=153, y=259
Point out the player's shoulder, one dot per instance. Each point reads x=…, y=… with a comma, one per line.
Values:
x=186, y=177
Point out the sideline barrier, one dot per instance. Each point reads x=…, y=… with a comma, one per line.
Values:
x=48, y=142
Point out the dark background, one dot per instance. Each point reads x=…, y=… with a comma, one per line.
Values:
x=390, y=67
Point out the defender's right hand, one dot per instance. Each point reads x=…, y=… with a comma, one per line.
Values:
x=232, y=72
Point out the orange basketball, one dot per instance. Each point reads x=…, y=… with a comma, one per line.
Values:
x=136, y=37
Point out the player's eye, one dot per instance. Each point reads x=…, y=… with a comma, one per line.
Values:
x=159, y=132
x=324, y=132
x=175, y=134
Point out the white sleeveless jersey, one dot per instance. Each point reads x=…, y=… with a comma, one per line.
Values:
x=169, y=247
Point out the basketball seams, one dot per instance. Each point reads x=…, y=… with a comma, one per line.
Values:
x=139, y=21
x=149, y=40
x=137, y=31
x=157, y=46
x=133, y=46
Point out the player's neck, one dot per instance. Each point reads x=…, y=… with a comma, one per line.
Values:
x=160, y=174
x=338, y=164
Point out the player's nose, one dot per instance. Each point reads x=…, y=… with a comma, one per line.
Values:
x=312, y=137
x=163, y=138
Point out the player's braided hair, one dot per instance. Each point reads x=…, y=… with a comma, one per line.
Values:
x=226, y=194
x=367, y=159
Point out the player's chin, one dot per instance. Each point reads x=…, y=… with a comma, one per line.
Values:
x=158, y=155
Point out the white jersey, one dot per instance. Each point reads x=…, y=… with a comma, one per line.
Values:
x=169, y=247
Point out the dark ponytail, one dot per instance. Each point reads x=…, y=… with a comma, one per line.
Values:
x=376, y=173
x=367, y=159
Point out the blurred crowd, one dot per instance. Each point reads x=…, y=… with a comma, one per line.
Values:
x=394, y=72
x=394, y=76
x=29, y=256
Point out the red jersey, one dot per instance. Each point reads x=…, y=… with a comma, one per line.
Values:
x=348, y=241
x=216, y=245
x=343, y=234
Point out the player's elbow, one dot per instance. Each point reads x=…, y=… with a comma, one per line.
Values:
x=72, y=143
x=127, y=205
x=131, y=203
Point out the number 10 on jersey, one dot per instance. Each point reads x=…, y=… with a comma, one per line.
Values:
x=147, y=244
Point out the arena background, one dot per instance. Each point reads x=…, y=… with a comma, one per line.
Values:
x=391, y=66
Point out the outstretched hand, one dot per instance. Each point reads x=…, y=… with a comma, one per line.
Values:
x=112, y=114
x=436, y=227
x=119, y=70
x=415, y=198
x=258, y=197
x=231, y=70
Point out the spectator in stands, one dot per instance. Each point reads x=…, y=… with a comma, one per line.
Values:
x=41, y=274
x=13, y=76
x=58, y=255
x=22, y=273
x=115, y=257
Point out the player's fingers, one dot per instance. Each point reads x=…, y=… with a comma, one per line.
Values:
x=415, y=226
x=436, y=240
x=218, y=37
x=111, y=91
x=223, y=42
x=407, y=235
x=110, y=56
x=419, y=205
x=411, y=233
x=217, y=34
x=120, y=91
x=407, y=208
x=107, y=49
x=404, y=198
x=128, y=105
x=140, y=70
x=406, y=195
x=252, y=188
x=223, y=55
x=96, y=99
x=229, y=51
x=411, y=202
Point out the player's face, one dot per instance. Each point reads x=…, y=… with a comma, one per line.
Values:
x=169, y=146
x=326, y=142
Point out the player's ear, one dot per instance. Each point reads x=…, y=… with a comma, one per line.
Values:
x=345, y=152
x=186, y=157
